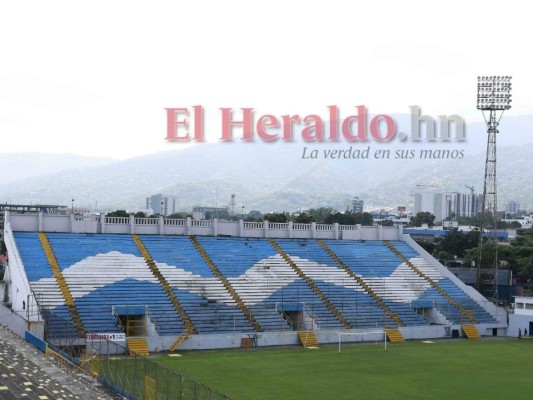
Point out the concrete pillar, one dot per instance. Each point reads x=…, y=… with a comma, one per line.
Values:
x=102, y=223
x=336, y=231
x=188, y=226
x=313, y=230
x=380, y=232
x=161, y=223
x=71, y=223
x=241, y=228
x=40, y=221
x=290, y=229
x=215, y=226
x=265, y=226
x=132, y=224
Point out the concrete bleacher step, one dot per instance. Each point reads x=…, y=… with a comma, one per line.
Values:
x=361, y=283
x=325, y=300
x=178, y=343
x=394, y=335
x=62, y=284
x=308, y=339
x=471, y=332
x=227, y=284
x=465, y=313
x=164, y=284
x=138, y=347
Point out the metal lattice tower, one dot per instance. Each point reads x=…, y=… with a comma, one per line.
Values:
x=494, y=96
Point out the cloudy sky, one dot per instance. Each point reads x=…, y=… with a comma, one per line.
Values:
x=94, y=78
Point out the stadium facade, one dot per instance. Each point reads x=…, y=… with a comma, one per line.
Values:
x=222, y=284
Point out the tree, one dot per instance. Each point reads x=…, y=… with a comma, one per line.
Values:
x=221, y=214
x=445, y=256
x=304, y=218
x=487, y=256
x=456, y=242
x=118, y=213
x=423, y=217
x=508, y=225
x=387, y=222
x=139, y=214
x=364, y=219
x=320, y=214
x=254, y=215
x=428, y=246
x=470, y=221
x=179, y=215
x=275, y=217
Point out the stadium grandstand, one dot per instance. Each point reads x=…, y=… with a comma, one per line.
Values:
x=145, y=285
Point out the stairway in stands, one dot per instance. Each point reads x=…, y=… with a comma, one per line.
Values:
x=308, y=339
x=465, y=313
x=166, y=287
x=179, y=341
x=310, y=282
x=471, y=332
x=361, y=283
x=138, y=347
x=245, y=310
x=394, y=335
x=69, y=300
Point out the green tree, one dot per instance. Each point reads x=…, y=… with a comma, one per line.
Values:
x=428, y=246
x=470, y=221
x=254, y=215
x=364, y=218
x=118, y=213
x=275, y=217
x=487, y=256
x=445, y=256
x=387, y=222
x=508, y=225
x=139, y=214
x=423, y=217
x=320, y=214
x=456, y=242
x=221, y=214
x=304, y=218
x=179, y=215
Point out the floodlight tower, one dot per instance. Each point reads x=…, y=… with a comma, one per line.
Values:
x=493, y=96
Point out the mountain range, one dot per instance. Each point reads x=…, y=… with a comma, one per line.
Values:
x=276, y=176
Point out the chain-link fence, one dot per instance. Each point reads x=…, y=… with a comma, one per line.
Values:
x=134, y=377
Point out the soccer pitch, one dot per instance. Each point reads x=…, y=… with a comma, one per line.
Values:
x=446, y=369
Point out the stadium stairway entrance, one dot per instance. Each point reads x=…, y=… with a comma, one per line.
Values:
x=132, y=320
x=394, y=335
x=471, y=332
x=308, y=339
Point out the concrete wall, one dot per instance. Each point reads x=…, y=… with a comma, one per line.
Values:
x=519, y=322
x=290, y=338
x=159, y=226
x=19, y=293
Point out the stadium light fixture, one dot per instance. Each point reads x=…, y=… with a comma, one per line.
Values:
x=494, y=92
x=494, y=96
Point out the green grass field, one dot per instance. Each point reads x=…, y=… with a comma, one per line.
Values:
x=453, y=369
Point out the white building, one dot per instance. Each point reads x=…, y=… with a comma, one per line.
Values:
x=522, y=319
x=445, y=204
x=163, y=205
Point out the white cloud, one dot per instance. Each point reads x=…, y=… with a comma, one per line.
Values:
x=94, y=78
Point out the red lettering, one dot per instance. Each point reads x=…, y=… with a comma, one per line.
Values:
x=267, y=121
x=246, y=123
